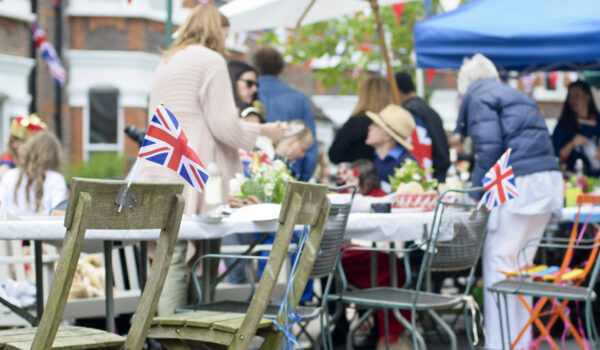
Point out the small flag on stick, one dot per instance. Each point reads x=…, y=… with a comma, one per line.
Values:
x=165, y=143
x=499, y=183
x=48, y=54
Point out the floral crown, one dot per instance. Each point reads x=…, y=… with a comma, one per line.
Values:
x=23, y=127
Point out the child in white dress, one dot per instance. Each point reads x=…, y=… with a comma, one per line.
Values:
x=36, y=186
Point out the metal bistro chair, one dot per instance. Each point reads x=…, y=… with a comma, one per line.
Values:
x=453, y=244
x=557, y=285
x=159, y=206
x=303, y=204
x=324, y=266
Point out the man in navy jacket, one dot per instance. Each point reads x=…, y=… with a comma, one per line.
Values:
x=285, y=103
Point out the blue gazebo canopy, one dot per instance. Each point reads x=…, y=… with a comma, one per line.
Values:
x=515, y=34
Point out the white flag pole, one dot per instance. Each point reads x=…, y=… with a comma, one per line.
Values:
x=132, y=175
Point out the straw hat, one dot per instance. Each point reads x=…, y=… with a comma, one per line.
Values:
x=396, y=121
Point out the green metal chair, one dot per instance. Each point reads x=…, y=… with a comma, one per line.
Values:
x=454, y=243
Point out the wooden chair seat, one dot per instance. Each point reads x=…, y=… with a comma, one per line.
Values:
x=217, y=326
x=67, y=337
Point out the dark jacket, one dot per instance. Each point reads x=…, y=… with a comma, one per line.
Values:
x=563, y=135
x=435, y=128
x=497, y=117
x=286, y=104
x=349, y=143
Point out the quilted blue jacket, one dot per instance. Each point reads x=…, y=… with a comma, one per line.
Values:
x=497, y=117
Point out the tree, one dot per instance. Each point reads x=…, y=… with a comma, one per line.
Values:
x=351, y=44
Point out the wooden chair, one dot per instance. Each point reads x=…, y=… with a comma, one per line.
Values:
x=92, y=206
x=303, y=204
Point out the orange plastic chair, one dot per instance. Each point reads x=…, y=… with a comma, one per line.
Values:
x=557, y=285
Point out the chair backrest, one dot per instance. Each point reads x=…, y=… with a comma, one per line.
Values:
x=92, y=205
x=456, y=236
x=333, y=237
x=303, y=204
x=575, y=242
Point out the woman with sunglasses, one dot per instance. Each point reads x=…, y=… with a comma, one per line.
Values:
x=244, y=81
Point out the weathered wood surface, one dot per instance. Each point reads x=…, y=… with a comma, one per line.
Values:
x=93, y=206
x=151, y=196
x=67, y=337
x=303, y=204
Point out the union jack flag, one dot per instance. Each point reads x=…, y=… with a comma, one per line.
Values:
x=166, y=144
x=48, y=54
x=499, y=183
x=422, y=149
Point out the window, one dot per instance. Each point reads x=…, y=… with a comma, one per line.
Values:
x=103, y=115
x=104, y=121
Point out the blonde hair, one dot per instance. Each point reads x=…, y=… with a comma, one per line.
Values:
x=303, y=135
x=202, y=26
x=40, y=153
x=373, y=95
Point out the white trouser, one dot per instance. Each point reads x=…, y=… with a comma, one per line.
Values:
x=500, y=252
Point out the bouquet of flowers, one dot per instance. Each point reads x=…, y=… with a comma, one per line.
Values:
x=412, y=187
x=411, y=178
x=267, y=184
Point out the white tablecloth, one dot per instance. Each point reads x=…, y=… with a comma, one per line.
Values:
x=373, y=227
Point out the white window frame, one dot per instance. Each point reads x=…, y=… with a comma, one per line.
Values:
x=88, y=146
x=131, y=72
x=123, y=8
x=17, y=9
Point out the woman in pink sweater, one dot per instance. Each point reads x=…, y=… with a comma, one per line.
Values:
x=193, y=82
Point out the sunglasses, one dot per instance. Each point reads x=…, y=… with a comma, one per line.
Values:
x=250, y=83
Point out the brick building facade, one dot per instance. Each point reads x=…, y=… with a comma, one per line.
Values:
x=110, y=49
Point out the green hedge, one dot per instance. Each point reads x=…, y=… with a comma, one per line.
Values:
x=100, y=165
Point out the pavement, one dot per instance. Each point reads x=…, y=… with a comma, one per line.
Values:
x=434, y=340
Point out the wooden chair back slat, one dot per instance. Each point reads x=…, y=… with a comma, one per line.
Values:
x=309, y=212
x=150, y=196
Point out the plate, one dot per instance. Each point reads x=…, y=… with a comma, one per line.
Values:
x=406, y=210
x=209, y=219
x=258, y=212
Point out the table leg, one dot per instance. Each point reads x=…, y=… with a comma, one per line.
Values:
x=39, y=281
x=110, y=310
x=206, y=268
x=143, y=264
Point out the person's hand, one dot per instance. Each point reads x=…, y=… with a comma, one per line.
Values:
x=597, y=155
x=580, y=140
x=253, y=200
x=274, y=131
x=235, y=202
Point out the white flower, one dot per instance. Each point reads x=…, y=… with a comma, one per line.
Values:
x=269, y=187
x=417, y=177
x=235, y=184
x=279, y=165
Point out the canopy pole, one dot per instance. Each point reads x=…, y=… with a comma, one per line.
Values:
x=384, y=52
x=310, y=5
